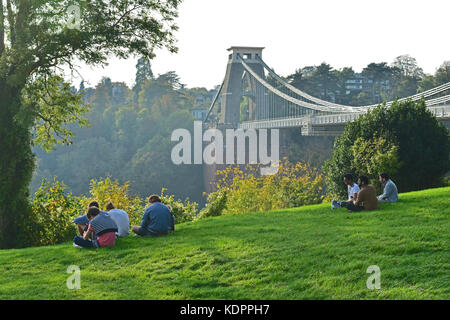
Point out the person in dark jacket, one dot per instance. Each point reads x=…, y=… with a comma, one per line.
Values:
x=157, y=219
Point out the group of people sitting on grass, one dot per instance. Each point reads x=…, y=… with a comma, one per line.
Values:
x=362, y=195
x=99, y=228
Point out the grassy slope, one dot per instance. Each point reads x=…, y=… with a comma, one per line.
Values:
x=309, y=252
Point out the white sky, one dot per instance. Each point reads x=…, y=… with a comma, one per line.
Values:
x=296, y=33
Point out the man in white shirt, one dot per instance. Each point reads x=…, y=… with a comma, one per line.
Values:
x=121, y=218
x=352, y=189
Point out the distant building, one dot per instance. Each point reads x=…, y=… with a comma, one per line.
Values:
x=206, y=98
x=203, y=101
x=308, y=71
x=199, y=114
x=200, y=99
x=354, y=84
x=359, y=83
x=119, y=92
x=117, y=88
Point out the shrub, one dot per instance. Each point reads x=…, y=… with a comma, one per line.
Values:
x=111, y=190
x=216, y=203
x=183, y=211
x=371, y=157
x=245, y=190
x=53, y=211
x=294, y=185
x=409, y=131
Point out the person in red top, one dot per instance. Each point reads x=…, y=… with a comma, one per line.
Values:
x=103, y=226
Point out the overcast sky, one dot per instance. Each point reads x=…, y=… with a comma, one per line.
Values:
x=296, y=33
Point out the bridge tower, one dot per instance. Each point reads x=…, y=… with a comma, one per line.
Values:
x=232, y=90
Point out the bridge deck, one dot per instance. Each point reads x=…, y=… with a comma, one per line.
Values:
x=325, y=124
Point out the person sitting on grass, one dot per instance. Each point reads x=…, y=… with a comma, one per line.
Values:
x=352, y=190
x=82, y=221
x=366, y=199
x=390, y=192
x=102, y=227
x=121, y=218
x=157, y=219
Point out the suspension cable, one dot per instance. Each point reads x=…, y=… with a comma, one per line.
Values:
x=214, y=101
x=415, y=97
x=294, y=100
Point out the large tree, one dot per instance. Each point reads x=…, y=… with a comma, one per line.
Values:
x=406, y=81
x=143, y=73
x=407, y=129
x=37, y=39
x=442, y=74
x=408, y=66
x=377, y=73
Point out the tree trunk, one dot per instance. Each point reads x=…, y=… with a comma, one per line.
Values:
x=2, y=29
x=16, y=168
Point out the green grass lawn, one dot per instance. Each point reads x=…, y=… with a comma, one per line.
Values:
x=303, y=253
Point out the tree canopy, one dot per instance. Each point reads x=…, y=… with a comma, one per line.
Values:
x=377, y=82
x=405, y=138
x=37, y=39
x=128, y=140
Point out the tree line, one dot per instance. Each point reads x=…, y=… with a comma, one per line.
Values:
x=376, y=83
x=128, y=138
x=37, y=39
x=129, y=133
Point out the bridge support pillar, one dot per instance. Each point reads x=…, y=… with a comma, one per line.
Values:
x=210, y=170
x=232, y=88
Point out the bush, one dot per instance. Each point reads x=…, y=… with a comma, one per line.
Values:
x=240, y=191
x=294, y=185
x=410, y=139
x=111, y=190
x=183, y=212
x=371, y=157
x=53, y=211
x=215, y=205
